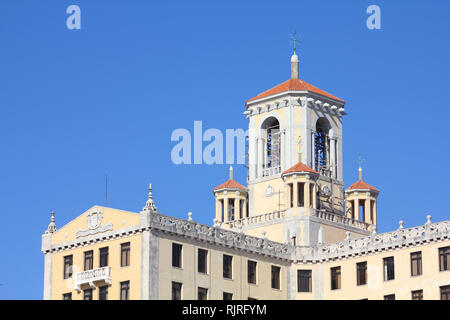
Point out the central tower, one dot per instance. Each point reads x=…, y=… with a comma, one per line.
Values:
x=290, y=124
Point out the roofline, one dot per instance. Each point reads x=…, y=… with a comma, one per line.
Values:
x=250, y=101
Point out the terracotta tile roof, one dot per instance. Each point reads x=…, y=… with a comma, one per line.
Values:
x=300, y=167
x=294, y=85
x=361, y=185
x=230, y=184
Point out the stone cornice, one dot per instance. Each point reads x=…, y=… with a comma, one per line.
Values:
x=221, y=237
x=374, y=243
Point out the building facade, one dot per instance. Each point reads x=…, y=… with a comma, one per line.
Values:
x=294, y=232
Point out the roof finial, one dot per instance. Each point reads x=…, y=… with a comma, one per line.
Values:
x=294, y=58
x=360, y=168
x=231, y=172
x=150, y=204
x=52, y=226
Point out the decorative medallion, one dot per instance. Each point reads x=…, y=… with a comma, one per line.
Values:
x=94, y=221
x=269, y=191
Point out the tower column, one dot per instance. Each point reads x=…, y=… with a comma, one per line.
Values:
x=260, y=160
x=287, y=190
x=295, y=193
x=367, y=211
x=226, y=216
x=314, y=204
x=218, y=211
x=374, y=212
x=307, y=194
x=244, y=209
x=237, y=211
x=356, y=208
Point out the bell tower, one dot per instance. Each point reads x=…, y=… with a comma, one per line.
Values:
x=291, y=123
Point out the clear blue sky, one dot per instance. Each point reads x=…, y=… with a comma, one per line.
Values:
x=79, y=104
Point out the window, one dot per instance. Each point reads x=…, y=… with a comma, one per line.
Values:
x=445, y=293
x=250, y=298
x=227, y=266
x=444, y=259
x=104, y=257
x=388, y=268
x=335, y=278
x=304, y=281
x=202, y=294
x=416, y=263
x=227, y=296
x=417, y=295
x=67, y=296
x=68, y=262
x=125, y=254
x=389, y=297
x=361, y=273
x=88, y=260
x=251, y=271
x=176, y=255
x=103, y=293
x=276, y=277
x=176, y=291
x=272, y=137
x=202, y=261
x=87, y=294
x=322, y=146
x=125, y=290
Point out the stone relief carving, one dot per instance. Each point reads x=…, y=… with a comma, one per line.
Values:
x=94, y=221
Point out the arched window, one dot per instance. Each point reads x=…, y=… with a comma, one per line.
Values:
x=272, y=148
x=322, y=146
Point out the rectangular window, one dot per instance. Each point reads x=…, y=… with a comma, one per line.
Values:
x=68, y=262
x=227, y=296
x=176, y=255
x=103, y=293
x=125, y=290
x=67, y=296
x=388, y=268
x=445, y=293
x=176, y=291
x=104, y=252
x=304, y=281
x=389, y=297
x=251, y=275
x=276, y=277
x=89, y=260
x=202, y=261
x=87, y=294
x=227, y=266
x=444, y=259
x=335, y=278
x=416, y=263
x=125, y=254
x=361, y=273
x=417, y=295
x=202, y=294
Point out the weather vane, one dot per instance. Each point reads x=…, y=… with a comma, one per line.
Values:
x=294, y=40
x=360, y=160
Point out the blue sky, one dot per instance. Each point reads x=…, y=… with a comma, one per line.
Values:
x=79, y=104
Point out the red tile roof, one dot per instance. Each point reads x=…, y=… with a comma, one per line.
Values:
x=294, y=85
x=361, y=185
x=300, y=167
x=230, y=184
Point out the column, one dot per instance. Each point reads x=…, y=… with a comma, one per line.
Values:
x=244, y=209
x=226, y=216
x=314, y=204
x=295, y=193
x=259, y=157
x=312, y=150
x=367, y=210
x=237, y=210
x=287, y=190
x=218, y=210
x=374, y=212
x=356, y=208
x=306, y=191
